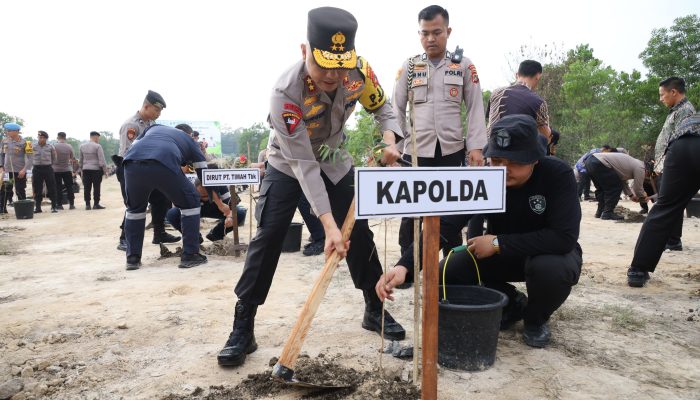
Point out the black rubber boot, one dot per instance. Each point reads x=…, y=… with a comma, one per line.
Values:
x=164, y=237
x=514, y=311
x=241, y=341
x=372, y=320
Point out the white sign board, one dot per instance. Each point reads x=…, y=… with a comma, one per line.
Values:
x=238, y=176
x=412, y=192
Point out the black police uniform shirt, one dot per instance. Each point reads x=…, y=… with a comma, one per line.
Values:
x=543, y=216
x=169, y=146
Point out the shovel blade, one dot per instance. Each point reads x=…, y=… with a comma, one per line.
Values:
x=286, y=376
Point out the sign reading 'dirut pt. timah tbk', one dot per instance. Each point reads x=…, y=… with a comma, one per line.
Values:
x=238, y=176
x=411, y=192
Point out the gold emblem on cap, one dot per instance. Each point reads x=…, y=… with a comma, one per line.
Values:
x=338, y=41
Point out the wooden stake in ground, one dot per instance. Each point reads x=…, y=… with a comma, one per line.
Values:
x=431, y=248
x=233, y=205
x=416, y=249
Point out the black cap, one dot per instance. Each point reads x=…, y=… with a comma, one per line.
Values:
x=515, y=138
x=155, y=99
x=43, y=134
x=331, y=35
x=94, y=133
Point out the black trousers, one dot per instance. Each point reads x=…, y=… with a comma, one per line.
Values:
x=279, y=197
x=548, y=277
x=677, y=228
x=680, y=182
x=608, y=185
x=20, y=187
x=584, y=185
x=92, y=178
x=451, y=160
x=144, y=177
x=159, y=205
x=43, y=174
x=64, y=181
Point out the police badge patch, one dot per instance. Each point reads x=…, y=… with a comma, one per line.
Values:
x=538, y=203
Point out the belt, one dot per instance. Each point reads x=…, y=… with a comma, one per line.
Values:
x=141, y=161
x=45, y=166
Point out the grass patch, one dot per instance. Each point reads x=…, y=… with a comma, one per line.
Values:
x=624, y=318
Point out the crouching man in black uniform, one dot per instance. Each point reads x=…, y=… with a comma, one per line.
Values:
x=534, y=241
x=153, y=163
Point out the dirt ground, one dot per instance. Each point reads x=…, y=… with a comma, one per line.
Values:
x=75, y=325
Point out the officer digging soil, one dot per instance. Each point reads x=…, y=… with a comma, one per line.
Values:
x=309, y=107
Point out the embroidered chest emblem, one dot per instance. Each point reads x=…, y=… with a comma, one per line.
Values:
x=538, y=203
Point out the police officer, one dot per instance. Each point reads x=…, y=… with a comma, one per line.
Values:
x=42, y=173
x=150, y=111
x=15, y=159
x=63, y=170
x=153, y=163
x=534, y=241
x=672, y=95
x=681, y=181
x=441, y=82
x=310, y=104
x=610, y=172
x=93, y=167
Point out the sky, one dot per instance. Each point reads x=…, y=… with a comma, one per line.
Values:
x=78, y=66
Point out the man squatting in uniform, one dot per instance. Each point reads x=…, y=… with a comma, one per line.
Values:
x=15, y=158
x=153, y=162
x=309, y=107
x=42, y=172
x=534, y=240
x=440, y=81
x=150, y=111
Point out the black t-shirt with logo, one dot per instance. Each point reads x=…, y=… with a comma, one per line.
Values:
x=543, y=216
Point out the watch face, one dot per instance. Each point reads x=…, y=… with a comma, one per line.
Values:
x=495, y=242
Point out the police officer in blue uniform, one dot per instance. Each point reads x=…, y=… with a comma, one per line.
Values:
x=153, y=163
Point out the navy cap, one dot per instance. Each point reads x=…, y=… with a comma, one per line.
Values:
x=11, y=126
x=155, y=99
x=515, y=138
x=94, y=133
x=331, y=35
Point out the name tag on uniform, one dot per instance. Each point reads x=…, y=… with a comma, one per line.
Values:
x=453, y=80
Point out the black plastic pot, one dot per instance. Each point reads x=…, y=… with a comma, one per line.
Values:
x=24, y=209
x=469, y=322
x=292, y=240
x=692, y=209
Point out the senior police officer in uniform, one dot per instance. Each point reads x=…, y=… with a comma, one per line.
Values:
x=309, y=106
x=150, y=111
x=15, y=159
x=63, y=170
x=42, y=173
x=153, y=162
x=441, y=82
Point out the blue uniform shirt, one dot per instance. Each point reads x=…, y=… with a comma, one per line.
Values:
x=169, y=146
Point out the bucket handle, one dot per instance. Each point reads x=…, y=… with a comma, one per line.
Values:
x=444, y=268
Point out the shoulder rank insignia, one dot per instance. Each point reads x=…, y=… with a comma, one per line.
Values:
x=372, y=95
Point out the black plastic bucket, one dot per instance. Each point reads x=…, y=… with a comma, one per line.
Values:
x=468, y=326
x=692, y=209
x=292, y=240
x=24, y=209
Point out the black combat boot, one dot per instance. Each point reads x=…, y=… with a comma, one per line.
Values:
x=161, y=236
x=241, y=341
x=372, y=320
x=71, y=205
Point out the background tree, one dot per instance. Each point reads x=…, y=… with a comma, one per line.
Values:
x=362, y=137
x=110, y=145
x=254, y=135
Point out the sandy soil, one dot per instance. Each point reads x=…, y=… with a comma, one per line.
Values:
x=75, y=325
